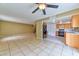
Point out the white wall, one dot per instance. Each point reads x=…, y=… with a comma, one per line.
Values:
x=51, y=29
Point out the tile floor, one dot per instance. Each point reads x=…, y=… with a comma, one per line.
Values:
x=27, y=45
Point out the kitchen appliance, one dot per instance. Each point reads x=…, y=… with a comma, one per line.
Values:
x=61, y=32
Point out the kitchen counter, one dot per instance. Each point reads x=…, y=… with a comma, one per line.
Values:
x=72, y=32
x=72, y=38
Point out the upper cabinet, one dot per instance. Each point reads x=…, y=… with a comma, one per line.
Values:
x=67, y=26
x=75, y=21
x=60, y=26
x=63, y=25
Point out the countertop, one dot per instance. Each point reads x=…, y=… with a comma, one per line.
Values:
x=72, y=32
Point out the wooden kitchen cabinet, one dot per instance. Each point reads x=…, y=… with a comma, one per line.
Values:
x=59, y=26
x=72, y=39
x=64, y=26
x=67, y=26
x=75, y=21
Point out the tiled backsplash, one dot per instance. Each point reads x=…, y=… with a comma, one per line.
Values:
x=76, y=29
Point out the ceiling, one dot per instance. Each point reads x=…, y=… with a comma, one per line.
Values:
x=22, y=12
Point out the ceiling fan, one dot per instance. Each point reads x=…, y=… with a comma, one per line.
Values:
x=42, y=6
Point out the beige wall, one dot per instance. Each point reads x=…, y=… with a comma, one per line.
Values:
x=39, y=29
x=0, y=26
x=11, y=28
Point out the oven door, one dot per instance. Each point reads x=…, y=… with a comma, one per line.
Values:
x=61, y=33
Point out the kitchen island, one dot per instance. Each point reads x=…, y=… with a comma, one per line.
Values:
x=72, y=38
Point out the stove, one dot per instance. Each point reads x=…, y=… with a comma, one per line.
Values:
x=61, y=32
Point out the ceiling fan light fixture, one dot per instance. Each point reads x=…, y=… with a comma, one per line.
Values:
x=42, y=6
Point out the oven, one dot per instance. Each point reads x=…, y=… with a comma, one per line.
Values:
x=61, y=32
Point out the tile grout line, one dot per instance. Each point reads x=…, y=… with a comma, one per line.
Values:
x=32, y=51
x=72, y=52
x=62, y=50
x=37, y=53
x=44, y=51
x=22, y=51
x=9, y=48
x=19, y=48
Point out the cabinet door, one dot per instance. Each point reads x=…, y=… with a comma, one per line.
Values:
x=67, y=26
x=75, y=21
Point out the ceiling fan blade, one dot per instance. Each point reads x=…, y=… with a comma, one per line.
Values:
x=44, y=12
x=35, y=10
x=52, y=6
x=36, y=3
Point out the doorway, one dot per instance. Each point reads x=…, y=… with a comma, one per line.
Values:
x=44, y=30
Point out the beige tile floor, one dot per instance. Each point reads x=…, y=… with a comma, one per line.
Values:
x=27, y=45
